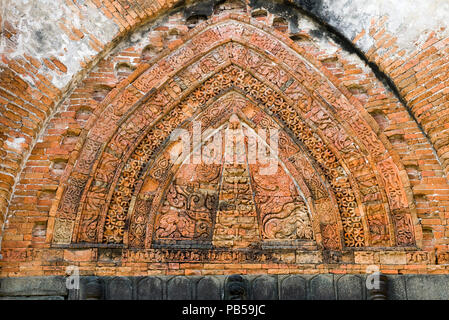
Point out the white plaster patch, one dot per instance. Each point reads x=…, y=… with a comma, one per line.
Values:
x=15, y=144
x=304, y=23
x=40, y=36
x=407, y=19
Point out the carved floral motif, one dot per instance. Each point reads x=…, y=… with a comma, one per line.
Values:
x=296, y=105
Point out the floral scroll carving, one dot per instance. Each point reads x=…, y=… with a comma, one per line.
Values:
x=326, y=186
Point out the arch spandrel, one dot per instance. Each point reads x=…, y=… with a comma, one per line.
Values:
x=115, y=134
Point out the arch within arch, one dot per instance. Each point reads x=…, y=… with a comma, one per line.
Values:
x=334, y=129
x=276, y=193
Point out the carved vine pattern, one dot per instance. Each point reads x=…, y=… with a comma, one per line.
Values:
x=233, y=76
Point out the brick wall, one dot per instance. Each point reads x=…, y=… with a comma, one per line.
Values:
x=46, y=118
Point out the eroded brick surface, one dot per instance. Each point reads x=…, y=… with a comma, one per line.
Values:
x=98, y=189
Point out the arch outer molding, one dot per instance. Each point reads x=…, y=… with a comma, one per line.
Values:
x=355, y=187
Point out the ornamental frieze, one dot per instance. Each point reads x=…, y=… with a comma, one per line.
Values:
x=350, y=193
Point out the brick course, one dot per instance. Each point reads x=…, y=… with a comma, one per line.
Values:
x=47, y=126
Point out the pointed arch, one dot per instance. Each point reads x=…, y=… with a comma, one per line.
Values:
x=364, y=173
x=231, y=103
